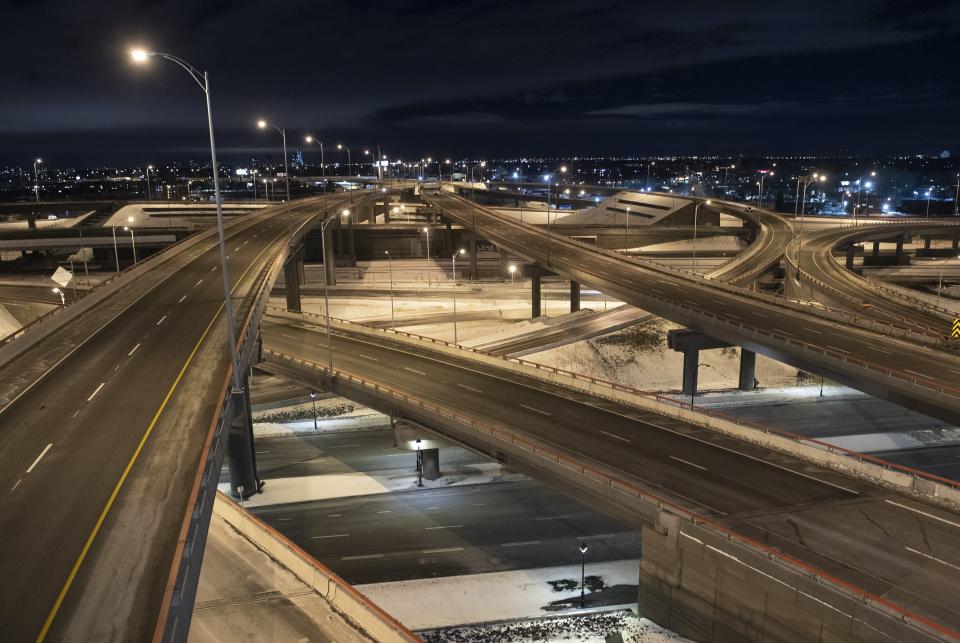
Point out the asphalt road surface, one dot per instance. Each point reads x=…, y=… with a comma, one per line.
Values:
x=71, y=440
x=915, y=375
x=450, y=531
x=905, y=551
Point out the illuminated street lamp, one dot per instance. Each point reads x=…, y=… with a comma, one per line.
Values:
x=262, y=124
x=349, y=160
x=427, y=231
x=513, y=273
x=313, y=398
x=763, y=175
x=459, y=252
x=36, y=179
x=63, y=301
x=323, y=166
x=419, y=463
x=133, y=242
x=202, y=79
x=326, y=286
x=940, y=281
x=807, y=180
x=563, y=170
x=149, y=193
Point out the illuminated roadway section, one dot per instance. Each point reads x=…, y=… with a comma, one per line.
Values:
x=822, y=272
x=904, y=551
x=101, y=454
x=913, y=370
x=776, y=233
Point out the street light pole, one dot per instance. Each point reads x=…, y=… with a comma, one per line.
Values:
x=427, y=230
x=149, y=193
x=460, y=252
x=393, y=322
x=419, y=464
x=313, y=398
x=583, y=570
x=36, y=180
x=116, y=253
x=326, y=288
x=133, y=241
x=283, y=133
x=203, y=81
x=696, y=210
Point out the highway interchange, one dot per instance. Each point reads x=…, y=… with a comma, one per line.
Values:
x=905, y=551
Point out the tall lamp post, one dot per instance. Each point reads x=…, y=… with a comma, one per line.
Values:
x=583, y=570
x=807, y=180
x=940, y=281
x=262, y=124
x=133, y=242
x=63, y=300
x=203, y=81
x=763, y=175
x=427, y=231
x=323, y=165
x=459, y=252
x=393, y=322
x=149, y=192
x=563, y=170
x=313, y=398
x=36, y=179
x=116, y=253
x=696, y=210
x=419, y=463
x=326, y=287
x=349, y=160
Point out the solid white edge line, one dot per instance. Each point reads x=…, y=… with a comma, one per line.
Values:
x=673, y=457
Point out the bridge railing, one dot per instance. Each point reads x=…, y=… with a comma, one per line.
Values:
x=659, y=397
x=615, y=481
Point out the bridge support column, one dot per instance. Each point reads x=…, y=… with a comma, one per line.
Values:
x=899, y=246
x=851, y=253
x=691, y=362
x=876, y=248
x=259, y=345
x=242, y=463
x=338, y=224
x=574, y=296
x=504, y=268
x=329, y=263
x=448, y=237
x=430, y=461
x=748, y=365
x=291, y=279
x=534, y=272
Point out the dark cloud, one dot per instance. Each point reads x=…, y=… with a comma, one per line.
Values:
x=481, y=76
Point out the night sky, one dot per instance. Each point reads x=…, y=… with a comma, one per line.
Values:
x=480, y=78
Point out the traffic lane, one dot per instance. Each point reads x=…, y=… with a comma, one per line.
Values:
x=450, y=531
x=81, y=467
x=875, y=572
x=627, y=280
x=362, y=451
x=684, y=466
x=42, y=294
x=904, y=551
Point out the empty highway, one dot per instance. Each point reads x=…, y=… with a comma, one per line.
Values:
x=904, y=551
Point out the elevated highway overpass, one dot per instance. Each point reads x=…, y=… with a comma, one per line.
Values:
x=815, y=271
x=719, y=499
x=910, y=369
x=115, y=423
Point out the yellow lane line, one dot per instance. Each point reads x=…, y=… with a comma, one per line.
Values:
x=136, y=454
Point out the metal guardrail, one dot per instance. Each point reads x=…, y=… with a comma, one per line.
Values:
x=503, y=433
x=653, y=395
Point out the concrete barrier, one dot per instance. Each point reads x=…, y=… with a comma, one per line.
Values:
x=341, y=595
x=917, y=483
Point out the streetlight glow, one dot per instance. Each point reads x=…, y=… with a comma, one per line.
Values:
x=139, y=55
x=261, y=123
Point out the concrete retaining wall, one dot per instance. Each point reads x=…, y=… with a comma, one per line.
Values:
x=340, y=594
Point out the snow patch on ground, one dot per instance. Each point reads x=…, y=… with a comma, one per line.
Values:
x=585, y=628
x=280, y=491
x=494, y=596
x=639, y=357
